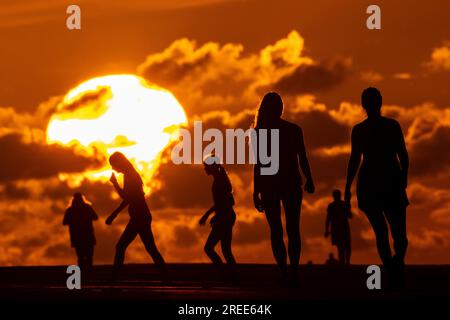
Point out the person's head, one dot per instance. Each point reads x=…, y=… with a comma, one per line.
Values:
x=337, y=195
x=371, y=101
x=78, y=199
x=119, y=162
x=212, y=165
x=270, y=110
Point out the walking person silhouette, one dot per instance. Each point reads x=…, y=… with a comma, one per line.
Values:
x=79, y=217
x=285, y=186
x=133, y=196
x=338, y=214
x=223, y=221
x=382, y=181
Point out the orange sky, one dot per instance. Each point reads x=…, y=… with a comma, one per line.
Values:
x=218, y=58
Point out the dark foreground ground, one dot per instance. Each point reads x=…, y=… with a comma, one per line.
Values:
x=194, y=282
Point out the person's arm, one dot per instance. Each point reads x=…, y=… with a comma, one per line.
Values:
x=257, y=181
x=94, y=215
x=257, y=187
x=327, y=223
x=116, y=212
x=304, y=163
x=403, y=157
x=116, y=185
x=353, y=166
x=205, y=217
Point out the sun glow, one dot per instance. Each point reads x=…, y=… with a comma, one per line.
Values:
x=118, y=113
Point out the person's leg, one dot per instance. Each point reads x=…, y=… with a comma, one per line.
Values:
x=292, y=203
x=84, y=253
x=147, y=238
x=396, y=218
x=79, y=253
x=379, y=226
x=128, y=235
x=225, y=243
x=213, y=238
x=90, y=256
x=273, y=216
x=341, y=253
x=348, y=250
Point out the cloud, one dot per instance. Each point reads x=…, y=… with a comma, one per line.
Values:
x=184, y=236
x=182, y=186
x=251, y=232
x=89, y=105
x=11, y=191
x=428, y=156
x=22, y=160
x=321, y=129
x=403, y=76
x=440, y=58
x=217, y=77
x=371, y=76
x=31, y=126
x=315, y=77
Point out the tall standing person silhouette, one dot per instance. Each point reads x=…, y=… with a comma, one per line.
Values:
x=382, y=180
x=285, y=186
x=133, y=196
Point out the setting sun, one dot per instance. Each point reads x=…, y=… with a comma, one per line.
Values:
x=118, y=113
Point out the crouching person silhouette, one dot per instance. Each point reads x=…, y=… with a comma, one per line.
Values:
x=133, y=196
x=224, y=218
x=79, y=217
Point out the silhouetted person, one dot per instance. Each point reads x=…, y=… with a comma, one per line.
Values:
x=331, y=261
x=133, y=196
x=223, y=221
x=338, y=214
x=79, y=217
x=382, y=179
x=285, y=186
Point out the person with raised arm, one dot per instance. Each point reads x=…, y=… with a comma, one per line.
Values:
x=133, y=197
x=223, y=221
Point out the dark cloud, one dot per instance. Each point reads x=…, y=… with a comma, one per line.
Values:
x=22, y=160
x=12, y=190
x=320, y=129
x=184, y=237
x=313, y=78
x=168, y=72
x=93, y=100
x=328, y=170
x=431, y=155
x=59, y=250
x=96, y=192
x=252, y=232
x=183, y=186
